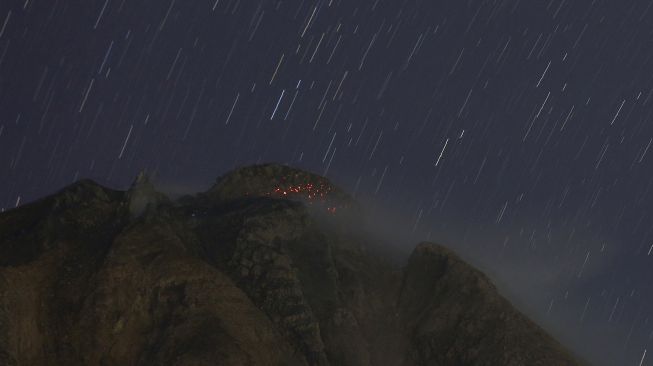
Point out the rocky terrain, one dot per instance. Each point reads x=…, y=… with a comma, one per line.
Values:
x=259, y=270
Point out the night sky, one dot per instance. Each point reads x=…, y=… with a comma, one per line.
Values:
x=516, y=132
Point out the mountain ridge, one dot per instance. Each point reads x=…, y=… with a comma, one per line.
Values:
x=245, y=273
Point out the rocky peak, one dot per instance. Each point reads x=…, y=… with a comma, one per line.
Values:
x=143, y=196
x=280, y=181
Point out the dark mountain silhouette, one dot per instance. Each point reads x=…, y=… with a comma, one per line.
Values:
x=265, y=268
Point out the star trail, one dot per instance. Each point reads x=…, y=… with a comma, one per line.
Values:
x=517, y=133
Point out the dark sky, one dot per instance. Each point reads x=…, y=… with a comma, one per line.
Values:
x=517, y=132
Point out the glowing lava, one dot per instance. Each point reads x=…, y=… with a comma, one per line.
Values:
x=308, y=192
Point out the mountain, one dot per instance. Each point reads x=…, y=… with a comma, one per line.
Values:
x=268, y=267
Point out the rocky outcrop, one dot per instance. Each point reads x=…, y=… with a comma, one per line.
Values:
x=279, y=181
x=456, y=316
x=92, y=276
x=143, y=197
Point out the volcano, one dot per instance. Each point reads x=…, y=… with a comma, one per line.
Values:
x=261, y=269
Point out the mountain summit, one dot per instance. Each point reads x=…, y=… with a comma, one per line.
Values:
x=243, y=274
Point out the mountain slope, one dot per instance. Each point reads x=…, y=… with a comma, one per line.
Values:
x=259, y=270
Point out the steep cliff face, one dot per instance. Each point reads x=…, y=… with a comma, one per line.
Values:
x=91, y=276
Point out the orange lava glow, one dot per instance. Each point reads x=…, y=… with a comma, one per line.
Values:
x=309, y=192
